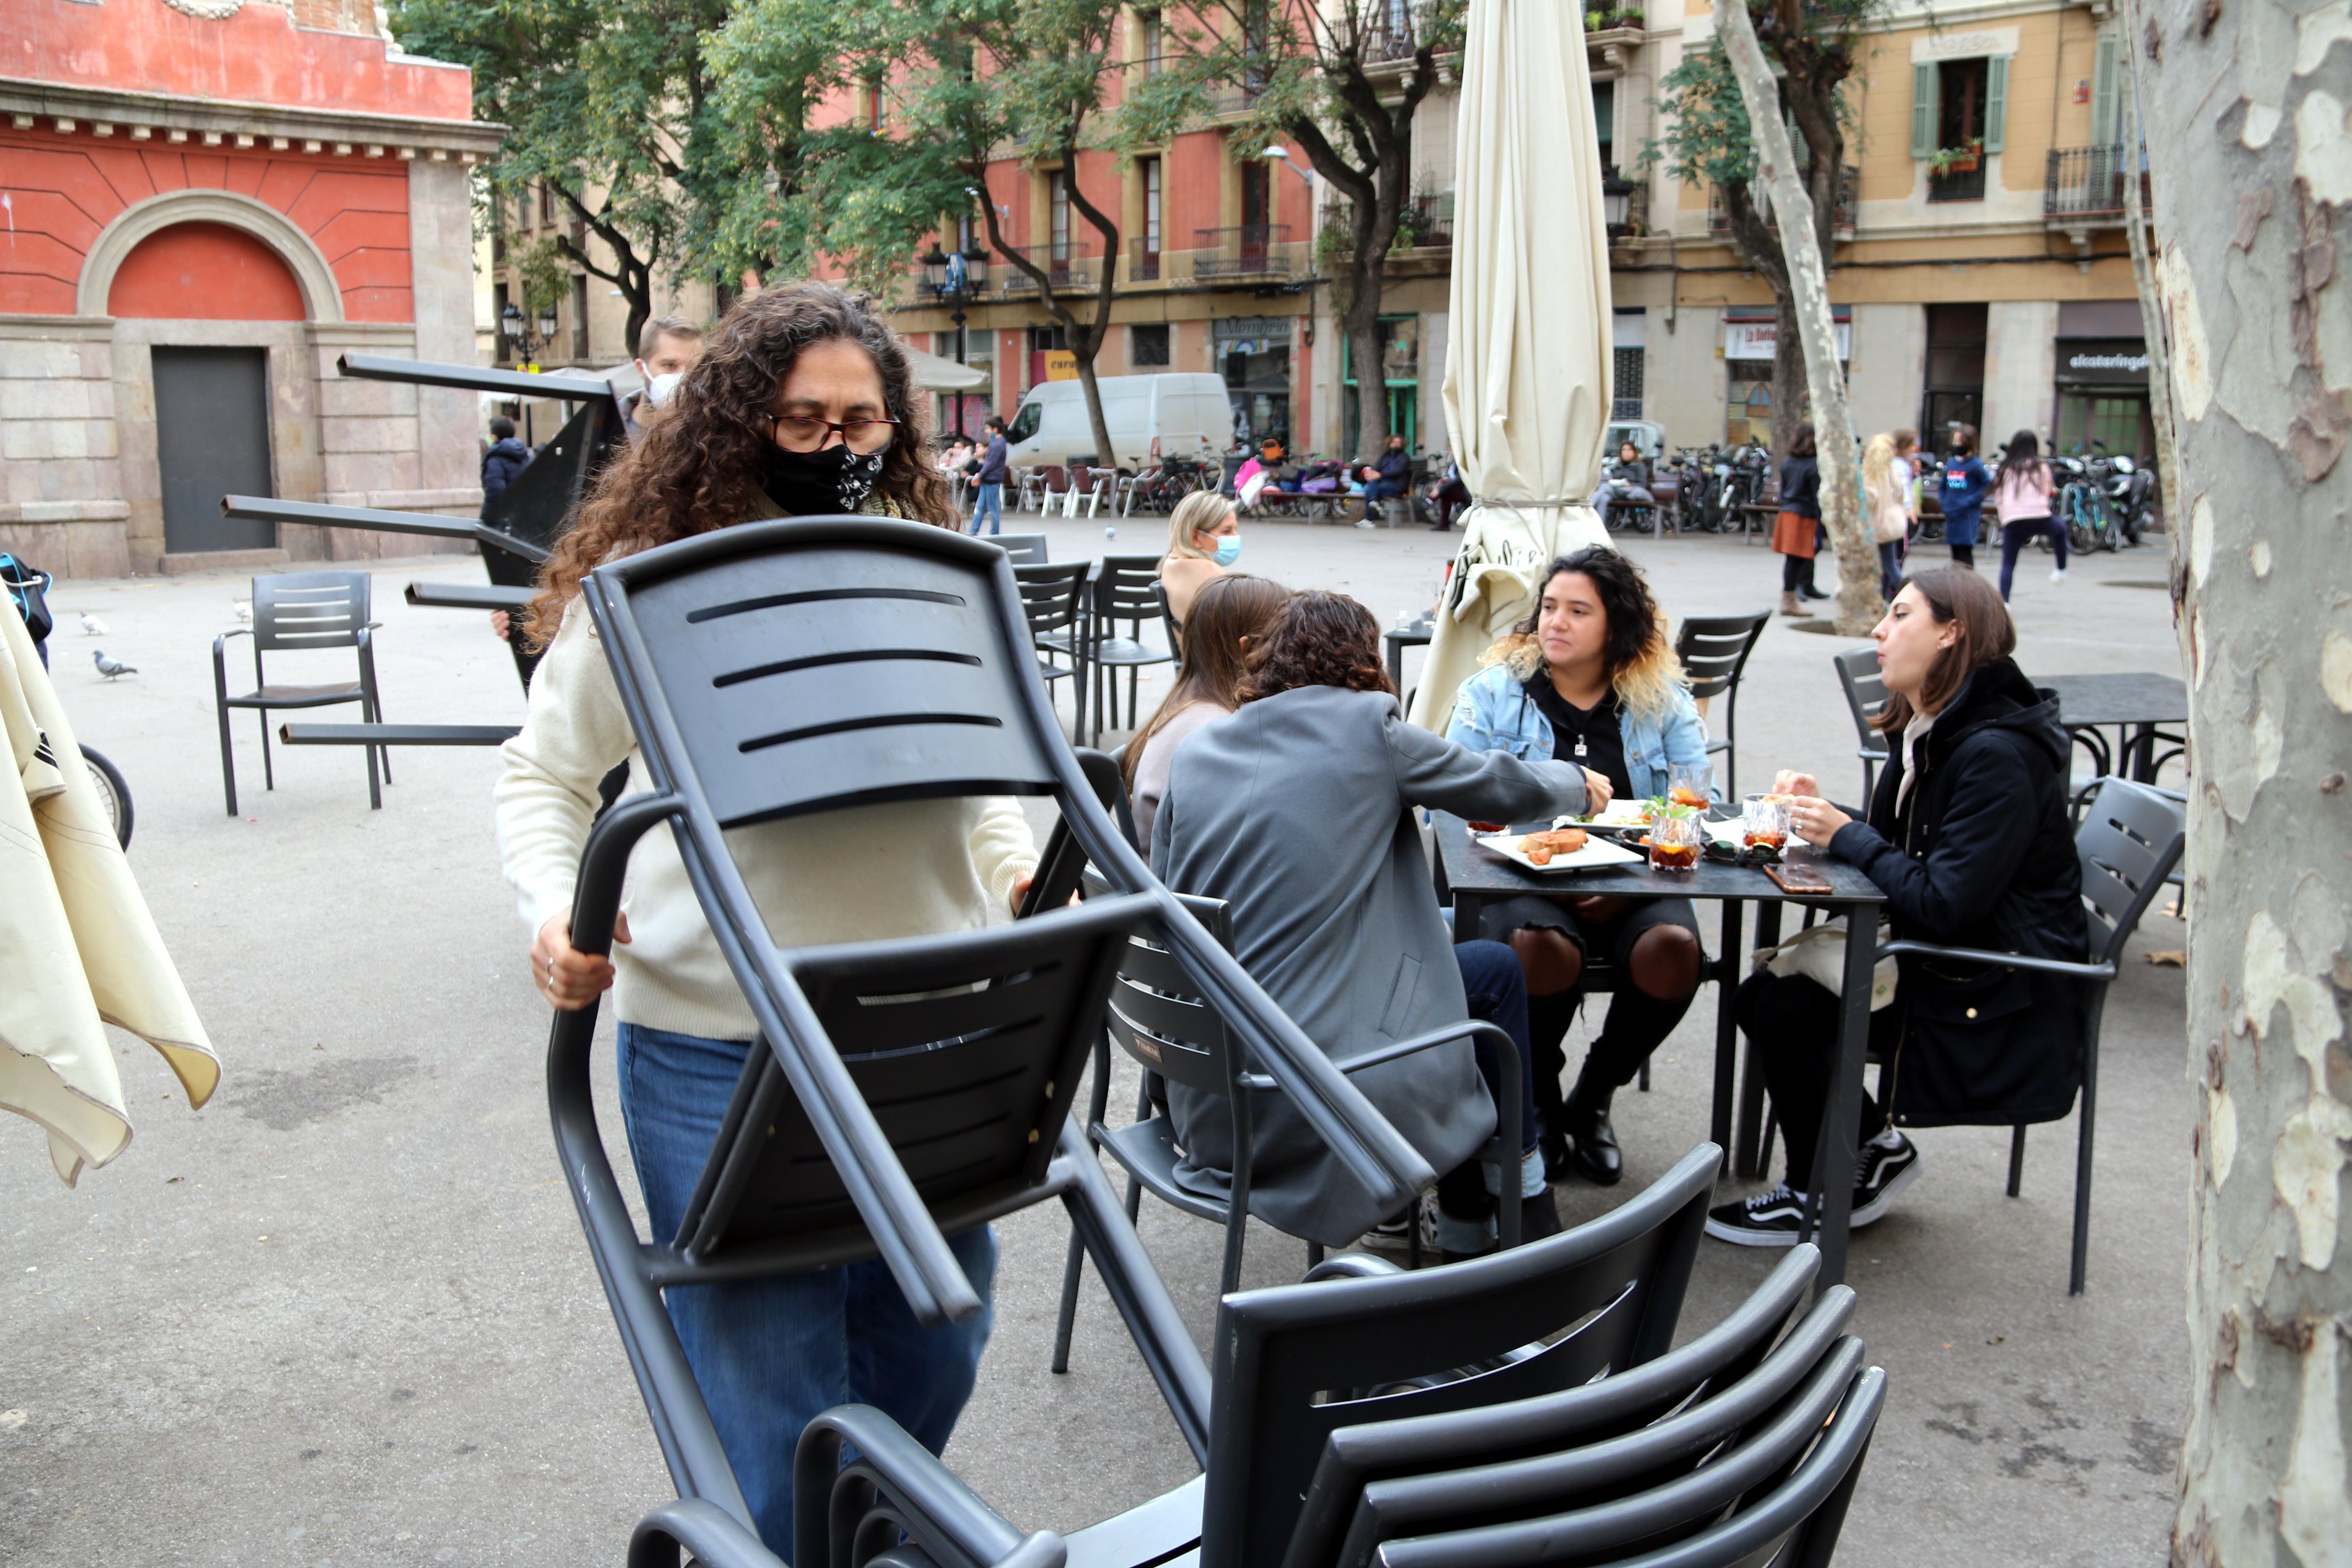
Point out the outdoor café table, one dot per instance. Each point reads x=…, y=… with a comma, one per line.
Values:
x=2134, y=705
x=1474, y=877
x=1400, y=639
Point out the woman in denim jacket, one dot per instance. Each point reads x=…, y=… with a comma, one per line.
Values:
x=1590, y=679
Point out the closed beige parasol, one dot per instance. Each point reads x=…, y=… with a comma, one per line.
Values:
x=1527, y=365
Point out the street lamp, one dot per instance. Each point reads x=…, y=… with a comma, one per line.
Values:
x=1281, y=154
x=958, y=278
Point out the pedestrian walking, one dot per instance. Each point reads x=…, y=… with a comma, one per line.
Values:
x=2022, y=496
x=1965, y=482
x=667, y=347
x=506, y=459
x=1886, y=496
x=989, y=506
x=1796, y=532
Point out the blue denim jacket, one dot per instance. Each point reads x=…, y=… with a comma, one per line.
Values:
x=1493, y=712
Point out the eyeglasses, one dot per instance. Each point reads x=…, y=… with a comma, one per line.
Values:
x=799, y=432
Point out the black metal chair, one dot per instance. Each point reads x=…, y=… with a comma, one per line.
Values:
x=302, y=610
x=1157, y=1016
x=907, y=1087
x=1714, y=651
x=1865, y=695
x=1292, y=1365
x=1025, y=549
x=1125, y=590
x=1052, y=600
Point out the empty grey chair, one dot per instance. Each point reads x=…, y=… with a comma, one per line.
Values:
x=2129, y=842
x=908, y=1087
x=1714, y=651
x=1125, y=590
x=1025, y=549
x=1158, y=1017
x=1294, y=1363
x=302, y=610
x=1866, y=694
x=1053, y=602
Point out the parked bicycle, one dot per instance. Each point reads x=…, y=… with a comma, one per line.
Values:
x=2082, y=507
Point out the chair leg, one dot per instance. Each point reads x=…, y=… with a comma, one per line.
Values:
x=1646, y=1075
x=1313, y=1255
x=1753, y=1143
x=2084, y=1134
x=269, y=771
x=2016, y=1157
x=375, y=788
x=228, y=760
x=1066, y=1319
x=1764, y=1148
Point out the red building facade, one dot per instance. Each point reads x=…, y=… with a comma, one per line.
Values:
x=203, y=205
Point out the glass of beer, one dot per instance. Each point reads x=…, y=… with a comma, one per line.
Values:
x=1764, y=821
x=1675, y=839
x=1691, y=785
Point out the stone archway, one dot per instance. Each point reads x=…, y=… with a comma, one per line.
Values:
x=323, y=298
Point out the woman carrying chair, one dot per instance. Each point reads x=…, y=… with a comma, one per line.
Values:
x=1967, y=835
x=802, y=406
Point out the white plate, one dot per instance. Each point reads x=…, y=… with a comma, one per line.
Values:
x=1620, y=815
x=1597, y=852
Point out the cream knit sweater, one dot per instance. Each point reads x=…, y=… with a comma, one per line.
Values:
x=906, y=868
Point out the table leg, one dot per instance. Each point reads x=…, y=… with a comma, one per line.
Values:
x=1747, y=1160
x=1832, y=1175
x=2143, y=752
x=1727, y=1042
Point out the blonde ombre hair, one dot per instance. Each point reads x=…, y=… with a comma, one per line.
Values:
x=1199, y=512
x=1642, y=669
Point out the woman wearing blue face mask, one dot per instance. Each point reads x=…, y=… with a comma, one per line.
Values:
x=1204, y=538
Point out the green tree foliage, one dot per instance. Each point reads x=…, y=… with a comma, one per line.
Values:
x=1706, y=140
x=608, y=106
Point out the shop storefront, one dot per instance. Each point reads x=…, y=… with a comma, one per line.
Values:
x=2103, y=397
x=1400, y=373
x=1749, y=334
x=1253, y=354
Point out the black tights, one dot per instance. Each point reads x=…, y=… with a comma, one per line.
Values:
x=1793, y=1024
x=1796, y=573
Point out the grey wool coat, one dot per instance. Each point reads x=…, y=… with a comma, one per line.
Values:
x=1297, y=812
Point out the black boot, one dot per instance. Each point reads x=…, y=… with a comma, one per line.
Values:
x=1585, y=1119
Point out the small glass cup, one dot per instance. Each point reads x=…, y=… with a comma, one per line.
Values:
x=1764, y=822
x=1676, y=840
x=1691, y=785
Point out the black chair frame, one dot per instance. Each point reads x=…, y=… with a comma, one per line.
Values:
x=294, y=611
x=1865, y=695
x=1714, y=651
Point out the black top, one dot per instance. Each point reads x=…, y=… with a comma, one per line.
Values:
x=1588, y=737
x=1800, y=486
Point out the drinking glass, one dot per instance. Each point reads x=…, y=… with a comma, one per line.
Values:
x=1764, y=822
x=1691, y=783
x=1676, y=840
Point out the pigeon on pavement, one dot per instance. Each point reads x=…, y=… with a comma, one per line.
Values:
x=244, y=608
x=111, y=667
x=92, y=626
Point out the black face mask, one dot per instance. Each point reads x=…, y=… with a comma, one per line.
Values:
x=822, y=483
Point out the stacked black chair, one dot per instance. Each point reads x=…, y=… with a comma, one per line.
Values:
x=1160, y=1020
x=773, y=669
x=1126, y=590
x=1376, y=1415
x=1053, y=602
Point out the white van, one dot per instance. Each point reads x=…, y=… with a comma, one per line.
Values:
x=1171, y=414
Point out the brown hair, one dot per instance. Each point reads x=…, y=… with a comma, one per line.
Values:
x=1319, y=640
x=1801, y=445
x=1228, y=608
x=700, y=468
x=1641, y=666
x=1955, y=595
x=650, y=336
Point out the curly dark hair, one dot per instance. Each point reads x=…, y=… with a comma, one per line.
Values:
x=1636, y=629
x=699, y=468
x=1319, y=639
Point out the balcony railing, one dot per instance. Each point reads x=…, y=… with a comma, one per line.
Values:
x=1428, y=223
x=2085, y=182
x=1719, y=217
x=1252, y=251
x=1142, y=261
x=1066, y=265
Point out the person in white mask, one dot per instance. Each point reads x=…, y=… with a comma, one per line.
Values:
x=666, y=348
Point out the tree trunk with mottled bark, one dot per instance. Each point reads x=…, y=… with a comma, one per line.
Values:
x=1859, y=604
x=2151, y=313
x=2246, y=105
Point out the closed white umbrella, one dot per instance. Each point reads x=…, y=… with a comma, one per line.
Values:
x=1527, y=364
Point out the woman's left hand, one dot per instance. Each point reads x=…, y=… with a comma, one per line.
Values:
x=1815, y=820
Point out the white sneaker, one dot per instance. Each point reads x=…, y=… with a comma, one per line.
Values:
x=2059, y=575
x=1365, y=522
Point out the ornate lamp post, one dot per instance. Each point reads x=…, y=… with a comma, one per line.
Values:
x=958, y=278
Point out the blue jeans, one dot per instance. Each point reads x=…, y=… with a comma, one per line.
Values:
x=773, y=1354
x=989, y=508
x=1497, y=991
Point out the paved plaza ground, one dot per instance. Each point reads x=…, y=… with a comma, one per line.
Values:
x=345, y=1315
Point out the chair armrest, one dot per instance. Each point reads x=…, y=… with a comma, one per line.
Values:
x=946, y=1518
x=1352, y=1266
x=2014, y=960
x=1468, y=1028
x=220, y=643
x=716, y=1538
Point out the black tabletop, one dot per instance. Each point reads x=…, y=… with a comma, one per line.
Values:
x=2088, y=700
x=1470, y=868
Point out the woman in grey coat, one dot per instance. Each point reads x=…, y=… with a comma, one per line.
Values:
x=1297, y=811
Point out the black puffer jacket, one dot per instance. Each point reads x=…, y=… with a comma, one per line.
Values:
x=1981, y=855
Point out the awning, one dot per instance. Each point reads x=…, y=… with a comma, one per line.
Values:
x=936, y=374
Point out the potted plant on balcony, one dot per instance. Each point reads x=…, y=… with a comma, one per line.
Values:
x=1962, y=159
x=1628, y=19
x=1595, y=21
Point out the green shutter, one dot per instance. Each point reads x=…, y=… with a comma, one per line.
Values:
x=2104, y=130
x=1996, y=101
x=1922, y=110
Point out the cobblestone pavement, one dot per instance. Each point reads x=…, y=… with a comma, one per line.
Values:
x=344, y=1315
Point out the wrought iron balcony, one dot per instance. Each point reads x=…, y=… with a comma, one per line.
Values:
x=1428, y=223
x=2087, y=183
x=1143, y=261
x=1065, y=267
x=1719, y=217
x=1250, y=251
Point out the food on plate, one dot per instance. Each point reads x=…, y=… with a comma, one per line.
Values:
x=1540, y=847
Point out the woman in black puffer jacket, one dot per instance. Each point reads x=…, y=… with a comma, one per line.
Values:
x=1967, y=836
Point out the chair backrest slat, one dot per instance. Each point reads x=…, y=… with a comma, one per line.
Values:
x=1024, y=549
x=1052, y=595
x=2129, y=840
x=1866, y=691
x=1715, y=648
x=1125, y=588
x=310, y=609
x=1158, y=1016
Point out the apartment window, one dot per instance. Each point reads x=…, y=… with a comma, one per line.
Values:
x=1149, y=41
x=1254, y=192
x=546, y=203
x=1147, y=345
x=1958, y=109
x=1058, y=205
x=1604, y=121
x=874, y=105
x=2105, y=121
x=1626, y=365
x=580, y=315
x=1150, y=172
